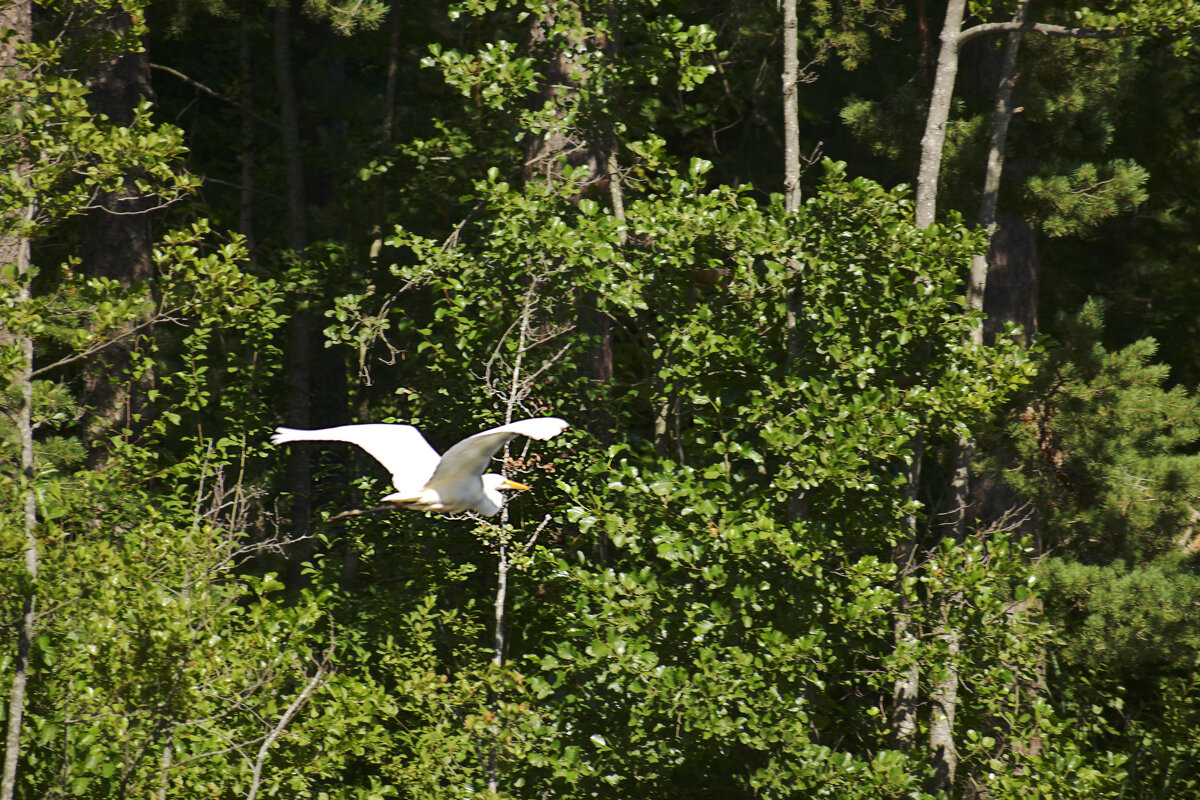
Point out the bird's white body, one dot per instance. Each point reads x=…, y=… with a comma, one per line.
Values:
x=452, y=483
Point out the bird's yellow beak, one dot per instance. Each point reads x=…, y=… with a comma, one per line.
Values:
x=513, y=485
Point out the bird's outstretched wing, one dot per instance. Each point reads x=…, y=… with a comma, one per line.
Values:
x=401, y=449
x=471, y=455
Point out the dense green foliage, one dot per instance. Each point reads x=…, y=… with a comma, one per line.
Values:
x=734, y=561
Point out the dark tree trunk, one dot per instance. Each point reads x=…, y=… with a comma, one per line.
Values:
x=545, y=152
x=246, y=200
x=299, y=357
x=545, y=156
x=1012, y=283
x=117, y=244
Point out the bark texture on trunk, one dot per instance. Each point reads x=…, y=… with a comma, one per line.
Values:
x=943, y=704
x=791, y=108
x=546, y=151
x=16, y=23
x=944, y=699
x=1012, y=285
x=906, y=688
x=934, y=139
x=798, y=502
x=989, y=201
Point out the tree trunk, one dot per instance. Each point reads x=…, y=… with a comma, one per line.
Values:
x=934, y=140
x=943, y=704
x=23, y=380
x=246, y=200
x=944, y=696
x=300, y=326
x=546, y=152
x=25, y=630
x=791, y=108
x=798, y=502
x=1012, y=287
x=117, y=244
x=961, y=510
x=906, y=688
x=396, y=25
x=16, y=23
x=977, y=286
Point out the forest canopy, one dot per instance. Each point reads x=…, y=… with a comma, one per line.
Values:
x=874, y=324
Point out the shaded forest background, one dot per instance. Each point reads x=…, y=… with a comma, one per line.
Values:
x=875, y=323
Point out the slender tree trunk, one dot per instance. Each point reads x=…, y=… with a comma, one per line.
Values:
x=934, y=140
x=23, y=379
x=164, y=768
x=906, y=688
x=396, y=25
x=300, y=326
x=798, y=502
x=247, y=199
x=977, y=285
x=25, y=630
x=943, y=704
x=791, y=108
x=960, y=490
x=16, y=23
x=498, y=645
x=944, y=695
x=504, y=565
x=1001, y=274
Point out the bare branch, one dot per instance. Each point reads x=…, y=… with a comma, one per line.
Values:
x=536, y=532
x=93, y=206
x=284, y=720
x=212, y=93
x=1044, y=28
x=104, y=345
x=232, y=185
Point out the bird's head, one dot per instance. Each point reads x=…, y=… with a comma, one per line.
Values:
x=493, y=484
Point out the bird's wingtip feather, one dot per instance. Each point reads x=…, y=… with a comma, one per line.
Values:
x=283, y=436
x=547, y=427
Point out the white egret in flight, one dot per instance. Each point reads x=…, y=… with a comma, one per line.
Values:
x=452, y=483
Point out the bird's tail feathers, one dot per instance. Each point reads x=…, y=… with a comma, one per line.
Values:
x=403, y=498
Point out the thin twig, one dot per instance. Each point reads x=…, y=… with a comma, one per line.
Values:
x=358, y=512
x=536, y=532
x=240, y=187
x=284, y=720
x=212, y=93
x=105, y=344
